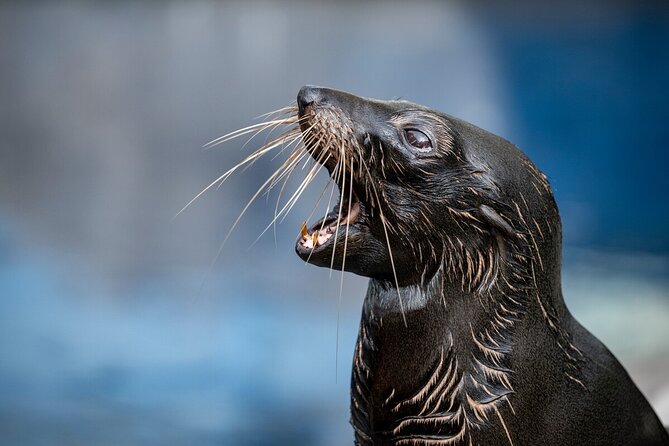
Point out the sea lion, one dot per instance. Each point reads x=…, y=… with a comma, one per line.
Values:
x=465, y=338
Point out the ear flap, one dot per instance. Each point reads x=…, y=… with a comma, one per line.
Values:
x=496, y=221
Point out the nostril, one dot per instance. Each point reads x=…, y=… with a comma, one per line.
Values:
x=307, y=95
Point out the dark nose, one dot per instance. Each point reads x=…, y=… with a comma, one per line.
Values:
x=308, y=95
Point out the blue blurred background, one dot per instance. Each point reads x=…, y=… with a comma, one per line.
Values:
x=113, y=328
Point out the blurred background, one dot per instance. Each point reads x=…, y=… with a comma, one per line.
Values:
x=114, y=327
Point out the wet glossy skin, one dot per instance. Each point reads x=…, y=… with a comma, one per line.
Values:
x=464, y=337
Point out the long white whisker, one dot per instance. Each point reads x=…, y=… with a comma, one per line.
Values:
x=246, y=130
x=327, y=209
x=280, y=141
x=334, y=184
x=262, y=151
x=289, y=120
x=297, y=139
x=277, y=216
x=317, y=144
x=320, y=198
x=292, y=131
x=221, y=179
x=293, y=199
x=282, y=110
x=342, y=160
x=309, y=178
x=385, y=230
x=343, y=266
x=220, y=248
x=258, y=192
x=283, y=186
x=293, y=165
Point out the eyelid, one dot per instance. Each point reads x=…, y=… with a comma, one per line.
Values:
x=427, y=135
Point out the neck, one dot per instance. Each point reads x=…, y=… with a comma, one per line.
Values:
x=441, y=321
x=440, y=349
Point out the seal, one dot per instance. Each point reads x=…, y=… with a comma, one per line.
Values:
x=465, y=338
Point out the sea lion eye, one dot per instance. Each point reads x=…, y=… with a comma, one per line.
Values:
x=417, y=139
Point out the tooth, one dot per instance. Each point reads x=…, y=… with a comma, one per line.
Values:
x=305, y=234
x=314, y=238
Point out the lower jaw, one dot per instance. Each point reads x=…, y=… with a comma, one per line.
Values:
x=343, y=239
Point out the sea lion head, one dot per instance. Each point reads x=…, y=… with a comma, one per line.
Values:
x=421, y=190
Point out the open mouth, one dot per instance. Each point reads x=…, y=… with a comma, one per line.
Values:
x=332, y=227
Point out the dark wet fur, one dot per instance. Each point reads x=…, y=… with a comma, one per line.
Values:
x=464, y=337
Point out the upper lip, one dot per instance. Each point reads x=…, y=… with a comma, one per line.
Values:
x=303, y=110
x=315, y=144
